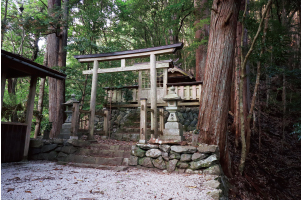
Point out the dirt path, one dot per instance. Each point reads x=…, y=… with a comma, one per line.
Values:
x=47, y=180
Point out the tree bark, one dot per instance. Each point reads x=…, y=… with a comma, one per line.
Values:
x=201, y=33
x=62, y=57
x=53, y=50
x=214, y=106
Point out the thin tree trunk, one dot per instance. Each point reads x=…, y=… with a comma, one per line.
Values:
x=245, y=142
x=214, y=105
x=40, y=100
x=35, y=47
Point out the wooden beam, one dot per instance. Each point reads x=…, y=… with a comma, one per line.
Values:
x=161, y=115
x=128, y=56
x=75, y=119
x=29, y=112
x=143, y=118
x=126, y=68
x=93, y=100
x=153, y=92
x=106, y=122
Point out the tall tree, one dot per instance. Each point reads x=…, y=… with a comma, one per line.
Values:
x=201, y=35
x=214, y=104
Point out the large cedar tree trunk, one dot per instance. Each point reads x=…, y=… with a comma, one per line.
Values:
x=53, y=50
x=214, y=106
x=201, y=13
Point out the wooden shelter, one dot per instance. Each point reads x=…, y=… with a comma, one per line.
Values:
x=15, y=137
x=130, y=54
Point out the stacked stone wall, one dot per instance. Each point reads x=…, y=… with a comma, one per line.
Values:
x=129, y=117
x=203, y=159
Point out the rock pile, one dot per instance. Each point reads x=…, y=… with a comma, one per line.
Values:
x=188, y=159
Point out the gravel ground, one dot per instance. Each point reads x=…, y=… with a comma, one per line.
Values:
x=47, y=180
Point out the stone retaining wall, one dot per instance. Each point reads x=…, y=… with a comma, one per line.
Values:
x=203, y=159
x=127, y=117
x=54, y=149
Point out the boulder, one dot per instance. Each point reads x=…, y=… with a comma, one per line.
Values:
x=213, y=170
x=203, y=163
x=136, y=151
x=212, y=184
x=68, y=149
x=159, y=163
x=198, y=156
x=189, y=171
x=171, y=165
x=215, y=194
x=205, y=148
x=174, y=155
x=47, y=148
x=182, y=165
x=185, y=157
x=164, y=147
x=146, y=162
x=153, y=153
x=165, y=156
x=147, y=146
x=183, y=149
x=58, y=141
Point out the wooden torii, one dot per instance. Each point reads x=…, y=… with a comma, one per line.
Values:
x=122, y=55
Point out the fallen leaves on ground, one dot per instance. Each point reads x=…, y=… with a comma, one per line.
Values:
x=10, y=189
x=27, y=191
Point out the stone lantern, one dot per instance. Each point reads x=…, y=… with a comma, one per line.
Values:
x=66, y=127
x=173, y=129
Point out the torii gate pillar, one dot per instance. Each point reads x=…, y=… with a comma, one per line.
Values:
x=153, y=79
x=93, y=100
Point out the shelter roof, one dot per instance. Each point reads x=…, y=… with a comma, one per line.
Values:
x=18, y=66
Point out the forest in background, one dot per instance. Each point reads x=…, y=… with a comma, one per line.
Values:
x=270, y=120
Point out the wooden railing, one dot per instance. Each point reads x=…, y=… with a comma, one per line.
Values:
x=189, y=91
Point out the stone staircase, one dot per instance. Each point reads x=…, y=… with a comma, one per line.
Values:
x=102, y=154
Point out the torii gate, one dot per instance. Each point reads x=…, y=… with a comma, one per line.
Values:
x=129, y=54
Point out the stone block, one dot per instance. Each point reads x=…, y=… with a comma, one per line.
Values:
x=79, y=143
x=215, y=194
x=182, y=165
x=36, y=143
x=52, y=156
x=189, y=171
x=165, y=156
x=125, y=162
x=173, y=125
x=171, y=165
x=164, y=147
x=68, y=149
x=183, y=149
x=146, y=162
x=205, y=148
x=211, y=160
x=159, y=163
x=147, y=146
x=212, y=184
x=89, y=160
x=136, y=151
x=47, y=148
x=133, y=160
x=213, y=170
x=58, y=141
x=172, y=132
x=185, y=157
x=198, y=156
x=153, y=153
x=174, y=155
